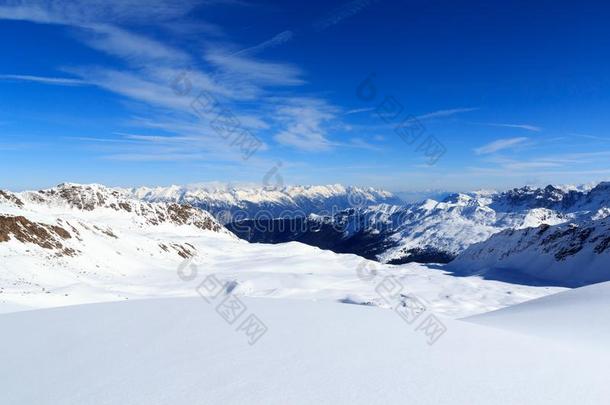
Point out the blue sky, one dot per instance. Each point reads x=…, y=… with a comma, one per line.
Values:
x=514, y=92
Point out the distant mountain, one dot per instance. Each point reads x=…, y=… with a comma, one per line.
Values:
x=418, y=196
x=229, y=203
x=88, y=220
x=432, y=231
x=371, y=223
x=572, y=254
x=348, y=231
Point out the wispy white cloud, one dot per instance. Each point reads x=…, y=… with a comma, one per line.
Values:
x=164, y=156
x=134, y=86
x=61, y=81
x=502, y=172
x=303, y=121
x=339, y=14
x=530, y=165
x=359, y=110
x=500, y=144
x=575, y=161
x=580, y=156
x=258, y=71
x=169, y=141
x=445, y=113
x=130, y=46
x=526, y=127
x=277, y=40
x=94, y=11
x=115, y=27
x=362, y=144
x=592, y=137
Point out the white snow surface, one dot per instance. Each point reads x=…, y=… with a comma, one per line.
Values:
x=159, y=342
x=180, y=351
x=579, y=317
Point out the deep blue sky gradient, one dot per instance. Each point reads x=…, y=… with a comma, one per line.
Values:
x=518, y=92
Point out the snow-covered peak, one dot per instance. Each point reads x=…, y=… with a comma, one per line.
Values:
x=459, y=199
x=57, y=219
x=567, y=254
x=85, y=197
x=292, y=201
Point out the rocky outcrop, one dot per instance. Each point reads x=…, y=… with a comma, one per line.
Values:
x=46, y=236
x=93, y=197
x=64, y=219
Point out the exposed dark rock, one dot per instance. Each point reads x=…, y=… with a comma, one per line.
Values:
x=12, y=198
x=26, y=231
x=428, y=255
x=603, y=245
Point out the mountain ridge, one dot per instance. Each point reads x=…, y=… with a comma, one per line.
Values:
x=59, y=219
x=344, y=219
x=432, y=231
x=570, y=254
x=286, y=201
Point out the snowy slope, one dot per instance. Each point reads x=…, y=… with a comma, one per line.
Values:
x=288, y=201
x=578, y=317
x=570, y=254
x=52, y=241
x=180, y=351
x=83, y=244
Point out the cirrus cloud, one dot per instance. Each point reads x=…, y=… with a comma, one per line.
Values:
x=500, y=144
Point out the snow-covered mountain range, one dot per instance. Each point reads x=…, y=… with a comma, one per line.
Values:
x=102, y=229
x=229, y=203
x=76, y=244
x=433, y=231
